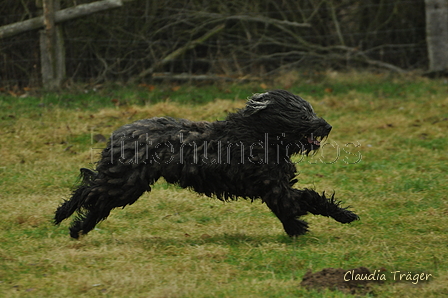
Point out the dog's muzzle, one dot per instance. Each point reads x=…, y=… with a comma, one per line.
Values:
x=317, y=137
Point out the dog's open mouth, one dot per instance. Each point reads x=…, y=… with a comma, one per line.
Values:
x=313, y=141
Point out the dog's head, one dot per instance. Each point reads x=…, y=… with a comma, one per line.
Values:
x=282, y=113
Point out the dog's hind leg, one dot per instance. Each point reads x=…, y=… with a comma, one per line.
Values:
x=317, y=204
x=100, y=192
x=98, y=207
x=68, y=207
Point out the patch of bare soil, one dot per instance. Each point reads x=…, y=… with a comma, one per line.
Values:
x=353, y=281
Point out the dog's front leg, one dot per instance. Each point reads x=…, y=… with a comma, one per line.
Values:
x=289, y=204
x=288, y=211
x=317, y=204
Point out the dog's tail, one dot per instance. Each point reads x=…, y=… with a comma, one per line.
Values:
x=78, y=198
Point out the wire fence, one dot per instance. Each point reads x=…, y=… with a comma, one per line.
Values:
x=260, y=38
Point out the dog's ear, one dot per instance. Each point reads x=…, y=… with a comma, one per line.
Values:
x=256, y=103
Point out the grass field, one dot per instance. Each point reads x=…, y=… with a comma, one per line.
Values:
x=386, y=157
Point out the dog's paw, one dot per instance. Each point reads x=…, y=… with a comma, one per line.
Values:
x=344, y=216
x=295, y=227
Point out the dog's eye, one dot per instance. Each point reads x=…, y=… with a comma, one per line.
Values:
x=304, y=118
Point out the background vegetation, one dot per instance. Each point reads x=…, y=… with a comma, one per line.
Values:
x=174, y=243
x=260, y=38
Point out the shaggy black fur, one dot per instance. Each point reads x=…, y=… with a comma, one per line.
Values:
x=247, y=156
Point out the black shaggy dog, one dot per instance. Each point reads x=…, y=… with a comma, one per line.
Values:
x=247, y=156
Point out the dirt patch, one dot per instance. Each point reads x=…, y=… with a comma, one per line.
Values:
x=353, y=281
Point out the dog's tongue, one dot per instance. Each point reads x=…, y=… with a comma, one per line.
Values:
x=311, y=140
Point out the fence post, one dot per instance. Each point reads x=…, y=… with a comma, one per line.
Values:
x=437, y=34
x=51, y=48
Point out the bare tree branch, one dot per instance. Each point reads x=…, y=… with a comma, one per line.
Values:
x=177, y=53
x=249, y=18
x=336, y=22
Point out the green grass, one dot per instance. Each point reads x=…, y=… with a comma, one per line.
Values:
x=175, y=243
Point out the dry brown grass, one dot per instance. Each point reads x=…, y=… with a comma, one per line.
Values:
x=175, y=243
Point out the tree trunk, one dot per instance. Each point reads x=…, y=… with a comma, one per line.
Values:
x=437, y=34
